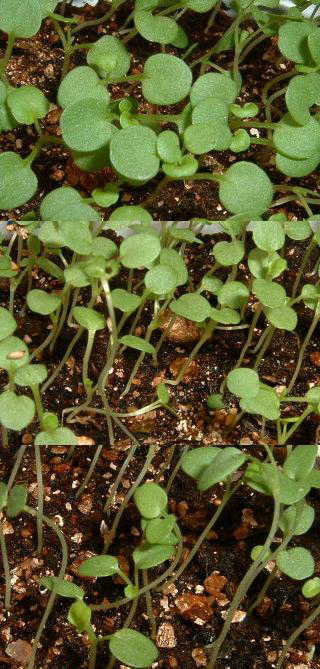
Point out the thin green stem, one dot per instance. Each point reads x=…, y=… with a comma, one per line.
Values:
x=297, y=632
x=6, y=569
x=40, y=497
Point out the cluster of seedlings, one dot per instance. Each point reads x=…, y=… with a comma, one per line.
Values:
x=198, y=111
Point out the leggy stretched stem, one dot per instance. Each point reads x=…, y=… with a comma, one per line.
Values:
x=226, y=497
x=6, y=569
x=90, y=471
x=307, y=338
x=128, y=496
x=40, y=498
x=97, y=22
x=51, y=600
x=292, y=638
x=15, y=469
x=312, y=244
x=67, y=354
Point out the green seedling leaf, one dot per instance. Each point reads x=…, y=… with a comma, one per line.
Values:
x=302, y=93
x=243, y=382
x=110, y=57
x=293, y=40
x=103, y=247
x=66, y=205
x=297, y=519
x=139, y=250
x=125, y=301
x=225, y=315
x=18, y=183
x=137, y=343
x=175, y=261
x=201, y=6
x=133, y=648
x=313, y=396
x=31, y=375
x=99, y=566
x=3, y=495
x=6, y=271
x=228, y=253
x=183, y=234
x=166, y=79
x=151, y=500
x=133, y=153
x=199, y=138
x=159, y=530
x=297, y=563
x=160, y=280
x=300, y=462
x=283, y=318
x=240, y=141
x=195, y=462
x=259, y=552
x=16, y=411
x=7, y=323
x=62, y=587
x=50, y=268
x=125, y=216
x=187, y=166
x=310, y=295
x=107, y=196
x=192, y=306
x=211, y=284
x=292, y=491
x=42, y=303
x=214, y=85
x=297, y=142
x=21, y=19
x=246, y=189
x=168, y=146
x=81, y=82
x=270, y=294
x=296, y=168
x=268, y=235
x=163, y=394
x=89, y=318
x=181, y=40
x=76, y=276
x=226, y=462
x=131, y=591
x=148, y=556
x=13, y=354
x=61, y=436
x=311, y=588
x=79, y=615
x=85, y=125
x=265, y=265
x=161, y=29
x=233, y=294
x=93, y=161
x=266, y=403
x=248, y=110
x=298, y=230
x=27, y=104
x=215, y=401
x=313, y=45
x=17, y=499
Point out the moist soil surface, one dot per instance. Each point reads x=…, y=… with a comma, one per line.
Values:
x=208, y=584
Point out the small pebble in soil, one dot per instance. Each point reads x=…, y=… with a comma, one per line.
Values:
x=166, y=636
x=20, y=651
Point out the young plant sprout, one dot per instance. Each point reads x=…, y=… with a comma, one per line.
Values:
x=205, y=345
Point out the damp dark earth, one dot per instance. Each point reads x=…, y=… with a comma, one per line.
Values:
x=159, y=334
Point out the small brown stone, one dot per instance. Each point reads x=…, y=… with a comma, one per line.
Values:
x=181, y=330
x=191, y=372
x=199, y=656
x=85, y=441
x=144, y=423
x=214, y=584
x=315, y=358
x=85, y=504
x=20, y=651
x=166, y=637
x=194, y=607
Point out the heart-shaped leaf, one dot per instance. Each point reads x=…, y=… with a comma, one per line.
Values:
x=66, y=204
x=139, y=250
x=27, y=104
x=7, y=323
x=133, y=153
x=89, y=318
x=131, y=647
x=79, y=82
x=213, y=85
x=16, y=411
x=18, y=183
x=21, y=19
x=41, y=302
x=166, y=79
x=110, y=57
x=31, y=375
x=192, y=306
x=60, y=436
x=246, y=189
x=85, y=125
x=161, y=29
x=13, y=353
x=297, y=563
